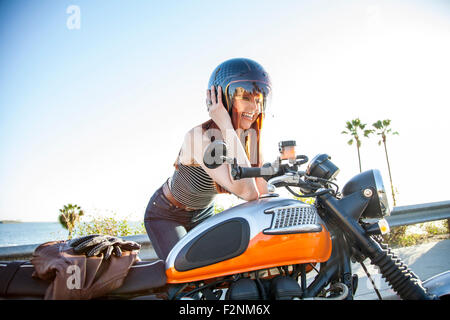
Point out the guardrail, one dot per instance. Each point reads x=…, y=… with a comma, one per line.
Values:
x=400, y=216
x=418, y=213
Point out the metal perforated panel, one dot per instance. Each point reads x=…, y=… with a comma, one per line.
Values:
x=294, y=219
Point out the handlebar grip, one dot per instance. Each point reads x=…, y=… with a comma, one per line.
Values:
x=246, y=172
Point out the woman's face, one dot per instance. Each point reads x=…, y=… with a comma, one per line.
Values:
x=246, y=109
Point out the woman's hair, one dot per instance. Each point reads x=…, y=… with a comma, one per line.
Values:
x=254, y=156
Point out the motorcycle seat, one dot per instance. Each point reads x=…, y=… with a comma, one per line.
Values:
x=143, y=275
x=16, y=279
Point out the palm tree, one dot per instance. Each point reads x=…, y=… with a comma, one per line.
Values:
x=382, y=129
x=354, y=128
x=69, y=217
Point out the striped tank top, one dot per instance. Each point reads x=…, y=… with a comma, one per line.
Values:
x=192, y=186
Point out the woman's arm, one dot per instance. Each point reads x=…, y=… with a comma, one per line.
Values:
x=261, y=184
x=195, y=143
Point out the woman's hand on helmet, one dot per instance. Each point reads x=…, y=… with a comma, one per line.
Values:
x=216, y=109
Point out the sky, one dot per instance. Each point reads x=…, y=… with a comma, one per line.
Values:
x=96, y=96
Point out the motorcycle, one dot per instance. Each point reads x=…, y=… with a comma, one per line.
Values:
x=264, y=249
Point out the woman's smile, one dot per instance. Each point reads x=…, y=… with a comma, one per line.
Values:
x=248, y=115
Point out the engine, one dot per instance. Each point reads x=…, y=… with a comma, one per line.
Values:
x=278, y=287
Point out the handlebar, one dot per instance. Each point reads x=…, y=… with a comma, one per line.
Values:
x=280, y=177
x=278, y=173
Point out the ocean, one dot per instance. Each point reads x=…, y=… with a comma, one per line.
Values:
x=14, y=234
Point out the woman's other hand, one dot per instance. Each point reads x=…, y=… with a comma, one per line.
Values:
x=217, y=110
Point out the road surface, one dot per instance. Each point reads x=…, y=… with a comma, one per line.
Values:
x=425, y=260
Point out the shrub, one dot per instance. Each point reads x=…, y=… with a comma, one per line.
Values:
x=108, y=226
x=396, y=235
x=415, y=234
x=218, y=208
x=436, y=228
x=306, y=200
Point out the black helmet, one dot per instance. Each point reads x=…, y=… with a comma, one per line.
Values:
x=244, y=74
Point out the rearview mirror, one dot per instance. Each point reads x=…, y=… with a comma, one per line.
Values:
x=215, y=154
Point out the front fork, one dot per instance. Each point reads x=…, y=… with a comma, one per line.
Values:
x=403, y=281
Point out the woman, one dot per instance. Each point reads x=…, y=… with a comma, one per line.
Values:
x=237, y=94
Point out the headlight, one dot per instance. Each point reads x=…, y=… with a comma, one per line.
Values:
x=381, y=192
x=370, y=184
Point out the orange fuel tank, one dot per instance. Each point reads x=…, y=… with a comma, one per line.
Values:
x=256, y=235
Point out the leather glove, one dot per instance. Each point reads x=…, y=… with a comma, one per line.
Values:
x=80, y=243
x=93, y=245
x=112, y=245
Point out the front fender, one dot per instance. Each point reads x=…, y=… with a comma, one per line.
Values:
x=438, y=285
